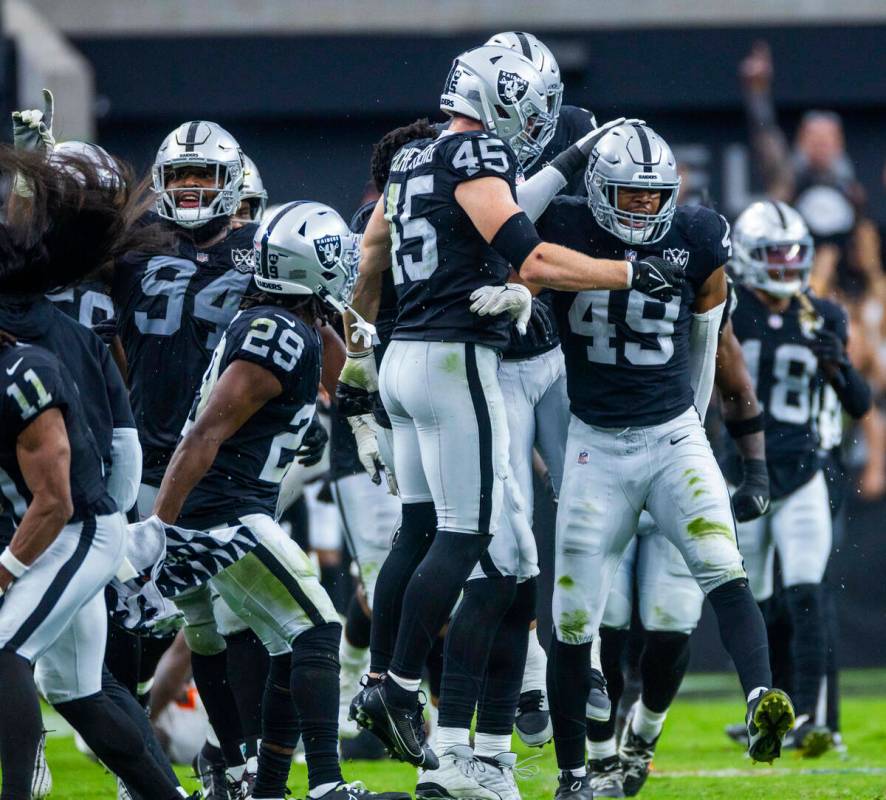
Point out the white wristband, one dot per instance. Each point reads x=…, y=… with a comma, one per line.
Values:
x=12, y=564
x=630, y=274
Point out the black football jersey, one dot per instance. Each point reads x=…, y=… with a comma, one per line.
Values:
x=627, y=354
x=572, y=124
x=88, y=303
x=32, y=381
x=171, y=313
x=788, y=381
x=438, y=257
x=245, y=476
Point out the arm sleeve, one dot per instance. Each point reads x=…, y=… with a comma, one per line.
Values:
x=126, y=468
x=534, y=194
x=703, y=336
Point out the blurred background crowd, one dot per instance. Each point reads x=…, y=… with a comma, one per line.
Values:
x=779, y=99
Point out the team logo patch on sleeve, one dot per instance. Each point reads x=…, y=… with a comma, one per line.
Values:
x=243, y=259
x=677, y=256
x=511, y=87
x=328, y=250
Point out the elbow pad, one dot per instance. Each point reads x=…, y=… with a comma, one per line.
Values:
x=703, y=338
x=126, y=468
x=516, y=239
x=534, y=194
x=853, y=392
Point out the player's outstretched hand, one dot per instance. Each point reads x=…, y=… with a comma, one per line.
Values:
x=657, y=278
x=32, y=128
x=751, y=499
x=513, y=298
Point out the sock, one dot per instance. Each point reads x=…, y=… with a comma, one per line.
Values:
x=596, y=646
x=506, y=668
x=808, y=644
x=601, y=750
x=575, y=772
x=469, y=641
x=647, y=724
x=280, y=731
x=273, y=770
x=662, y=667
x=408, y=684
x=247, y=663
x=434, y=667
x=755, y=693
x=314, y=684
x=612, y=647
x=357, y=625
x=742, y=632
x=430, y=596
x=21, y=726
x=452, y=737
x=118, y=744
x=489, y=745
x=569, y=681
x=319, y=791
x=534, y=674
x=411, y=543
x=211, y=678
x=833, y=676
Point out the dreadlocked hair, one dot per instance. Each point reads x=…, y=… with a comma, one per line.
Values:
x=308, y=306
x=385, y=149
x=64, y=219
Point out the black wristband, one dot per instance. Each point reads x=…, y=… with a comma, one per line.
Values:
x=745, y=427
x=516, y=239
x=570, y=161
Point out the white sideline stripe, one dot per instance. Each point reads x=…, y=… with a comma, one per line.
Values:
x=764, y=772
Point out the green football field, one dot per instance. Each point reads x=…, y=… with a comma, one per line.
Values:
x=694, y=759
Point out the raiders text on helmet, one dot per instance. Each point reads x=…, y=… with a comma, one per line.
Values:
x=772, y=249
x=253, y=190
x=504, y=91
x=632, y=157
x=205, y=145
x=307, y=248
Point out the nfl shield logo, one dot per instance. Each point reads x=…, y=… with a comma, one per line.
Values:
x=202, y=258
x=583, y=457
x=511, y=87
x=328, y=250
x=630, y=255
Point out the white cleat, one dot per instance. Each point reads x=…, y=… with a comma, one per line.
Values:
x=457, y=778
x=497, y=775
x=41, y=783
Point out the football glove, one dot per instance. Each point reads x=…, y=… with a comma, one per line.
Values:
x=657, y=278
x=575, y=157
x=32, y=128
x=513, y=298
x=541, y=328
x=751, y=499
x=367, y=452
x=106, y=330
x=828, y=349
x=357, y=382
x=313, y=444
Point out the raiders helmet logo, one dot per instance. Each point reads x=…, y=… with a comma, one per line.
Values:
x=676, y=256
x=511, y=87
x=328, y=250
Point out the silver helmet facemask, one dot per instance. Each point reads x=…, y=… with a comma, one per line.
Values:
x=503, y=91
x=203, y=146
x=632, y=157
x=773, y=250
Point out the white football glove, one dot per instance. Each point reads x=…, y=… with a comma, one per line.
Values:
x=367, y=452
x=32, y=128
x=587, y=142
x=513, y=298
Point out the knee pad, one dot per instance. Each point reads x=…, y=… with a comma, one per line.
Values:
x=317, y=647
x=279, y=718
x=204, y=639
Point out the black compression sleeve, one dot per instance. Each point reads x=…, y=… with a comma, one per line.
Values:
x=516, y=239
x=854, y=393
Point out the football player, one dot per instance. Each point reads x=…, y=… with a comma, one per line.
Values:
x=257, y=399
x=637, y=368
x=670, y=601
x=69, y=536
x=253, y=195
x=448, y=223
x=795, y=346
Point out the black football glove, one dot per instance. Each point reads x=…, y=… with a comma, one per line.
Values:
x=313, y=443
x=106, y=330
x=751, y=498
x=540, y=328
x=829, y=349
x=357, y=382
x=657, y=278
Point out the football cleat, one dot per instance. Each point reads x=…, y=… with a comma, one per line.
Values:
x=571, y=787
x=808, y=739
x=240, y=780
x=606, y=777
x=211, y=774
x=598, y=706
x=400, y=729
x=356, y=790
x=122, y=791
x=738, y=732
x=41, y=782
x=363, y=747
x=533, y=719
x=636, y=755
x=770, y=716
x=497, y=775
x=458, y=777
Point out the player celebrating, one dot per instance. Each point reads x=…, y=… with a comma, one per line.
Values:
x=635, y=367
x=449, y=224
x=795, y=345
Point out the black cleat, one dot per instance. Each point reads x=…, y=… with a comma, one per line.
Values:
x=606, y=777
x=400, y=729
x=211, y=774
x=362, y=747
x=808, y=739
x=356, y=790
x=574, y=788
x=636, y=755
x=770, y=716
x=599, y=706
x=533, y=719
